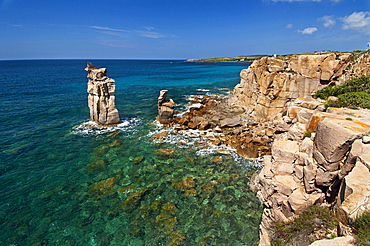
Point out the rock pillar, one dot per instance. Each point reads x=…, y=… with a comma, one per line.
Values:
x=101, y=99
x=165, y=108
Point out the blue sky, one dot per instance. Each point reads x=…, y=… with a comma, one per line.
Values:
x=172, y=29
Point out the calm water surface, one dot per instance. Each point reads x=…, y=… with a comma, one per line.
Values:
x=61, y=184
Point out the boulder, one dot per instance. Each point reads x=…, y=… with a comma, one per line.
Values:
x=338, y=241
x=299, y=200
x=334, y=138
x=355, y=190
x=101, y=98
x=285, y=151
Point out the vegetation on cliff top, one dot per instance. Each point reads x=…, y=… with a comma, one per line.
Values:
x=314, y=223
x=251, y=58
x=362, y=229
x=354, y=93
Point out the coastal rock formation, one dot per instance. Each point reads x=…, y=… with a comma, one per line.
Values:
x=332, y=166
x=270, y=84
x=318, y=155
x=101, y=99
x=165, y=108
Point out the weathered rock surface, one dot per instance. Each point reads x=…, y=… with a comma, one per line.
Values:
x=331, y=167
x=270, y=84
x=165, y=108
x=101, y=98
x=318, y=155
x=339, y=241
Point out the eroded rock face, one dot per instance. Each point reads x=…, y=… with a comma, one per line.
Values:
x=101, y=99
x=330, y=167
x=269, y=85
x=165, y=108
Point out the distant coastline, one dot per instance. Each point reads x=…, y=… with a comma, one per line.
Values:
x=247, y=59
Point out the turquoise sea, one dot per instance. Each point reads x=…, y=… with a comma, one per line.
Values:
x=64, y=184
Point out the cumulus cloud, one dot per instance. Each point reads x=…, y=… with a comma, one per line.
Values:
x=308, y=30
x=357, y=21
x=289, y=26
x=328, y=20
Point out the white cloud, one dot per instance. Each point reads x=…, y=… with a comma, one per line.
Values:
x=357, y=21
x=122, y=32
x=308, y=30
x=289, y=26
x=334, y=1
x=328, y=20
x=296, y=0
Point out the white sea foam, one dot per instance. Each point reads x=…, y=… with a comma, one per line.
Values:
x=201, y=141
x=92, y=128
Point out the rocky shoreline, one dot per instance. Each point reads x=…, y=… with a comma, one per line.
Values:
x=311, y=154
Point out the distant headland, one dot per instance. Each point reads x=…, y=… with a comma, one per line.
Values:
x=251, y=58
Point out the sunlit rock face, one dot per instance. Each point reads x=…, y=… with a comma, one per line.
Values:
x=270, y=84
x=101, y=99
x=165, y=108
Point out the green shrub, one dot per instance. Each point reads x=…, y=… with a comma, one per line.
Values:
x=312, y=218
x=354, y=93
x=362, y=229
x=355, y=99
x=307, y=134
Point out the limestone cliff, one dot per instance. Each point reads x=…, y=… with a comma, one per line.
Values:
x=101, y=99
x=270, y=84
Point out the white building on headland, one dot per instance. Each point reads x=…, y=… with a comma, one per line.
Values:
x=368, y=46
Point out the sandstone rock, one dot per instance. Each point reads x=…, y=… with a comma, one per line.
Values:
x=325, y=178
x=334, y=138
x=285, y=184
x=309, y=175
x=355, y=191
x=285, y=151
x=160, y=135
x=366, y=139
x=165, y=108
x=298, y=171
x=339, y=241
x=299, y=200
x=306, y=147
x=101, y=98
x=282, y=168
x=230, y=122
x=296, y=132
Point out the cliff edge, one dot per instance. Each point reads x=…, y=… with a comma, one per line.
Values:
x=319, y=155
x=270, y=84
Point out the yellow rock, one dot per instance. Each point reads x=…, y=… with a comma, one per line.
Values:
x=102, y=188
x=138, y=159
x=160, y=135
x=98, y=165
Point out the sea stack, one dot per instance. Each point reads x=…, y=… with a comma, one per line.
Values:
x=101, y=99
x=165, y=108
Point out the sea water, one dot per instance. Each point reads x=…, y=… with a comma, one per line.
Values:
x=62, y=183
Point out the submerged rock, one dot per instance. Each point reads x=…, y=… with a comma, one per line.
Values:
x=102, y=188
x=101, y=98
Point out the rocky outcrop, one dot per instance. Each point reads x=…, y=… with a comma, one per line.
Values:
x=165, y=108
x=270, y=84
x=318, y=155
x=101, y=99
x=330, y=166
